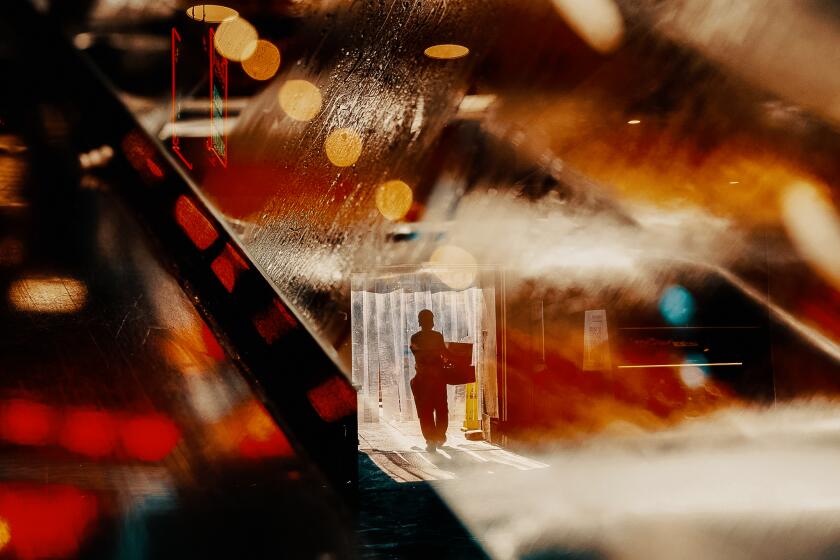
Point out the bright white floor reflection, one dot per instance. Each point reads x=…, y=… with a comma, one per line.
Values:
x=737, y=485
x=398, y=448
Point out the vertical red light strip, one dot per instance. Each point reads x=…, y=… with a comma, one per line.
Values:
x=224, y=123
x=176, y=144
x=211, y=46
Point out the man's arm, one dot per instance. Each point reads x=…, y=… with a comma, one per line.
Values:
x=440, y=346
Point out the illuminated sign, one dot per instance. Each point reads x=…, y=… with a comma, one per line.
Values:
x=596, y=348
x=176, y=104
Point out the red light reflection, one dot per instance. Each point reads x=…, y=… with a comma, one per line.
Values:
x=26, y=422
x=46, y=521
x=89, y=432
x=150, y=437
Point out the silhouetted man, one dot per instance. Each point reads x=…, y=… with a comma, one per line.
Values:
x=429, y=385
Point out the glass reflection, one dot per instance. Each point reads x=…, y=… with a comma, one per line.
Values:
x=629, y=210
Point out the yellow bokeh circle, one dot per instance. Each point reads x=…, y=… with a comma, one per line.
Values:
x=301, y=100
x=236, y=39
x=393, y=199
x=343, y=146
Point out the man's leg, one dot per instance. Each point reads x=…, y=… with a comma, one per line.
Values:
x=441, y=413
x=425, y=409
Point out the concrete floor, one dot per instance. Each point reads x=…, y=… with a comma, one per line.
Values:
x=399, y=450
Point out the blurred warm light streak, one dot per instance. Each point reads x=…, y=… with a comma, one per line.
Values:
x=569, y=403
x=598, y=22
x=13, y=170
x=211, y=13
x=814, y=227
x=393, y=199
x=343, y=147
x=446, y=51
x=265, y=61
x=301, y=100
x=248, y=431
x=454, y=266
x=192, y=350
x=57, y=294
x=676, y=161
x=236, y=39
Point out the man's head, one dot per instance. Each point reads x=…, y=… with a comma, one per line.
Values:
x=426, y=319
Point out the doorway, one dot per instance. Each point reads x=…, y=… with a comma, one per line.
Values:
x=385, y=308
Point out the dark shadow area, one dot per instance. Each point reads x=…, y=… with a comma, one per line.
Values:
x=407, y=520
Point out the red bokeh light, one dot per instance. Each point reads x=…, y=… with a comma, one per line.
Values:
x=274, y=322
x=333, y=399
x=227, y=267
x=89, y=432
x=26, y=422
x=275, y=445
x=149, y=437
x=46, y=521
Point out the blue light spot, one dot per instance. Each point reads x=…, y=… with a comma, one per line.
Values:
x=677, y=305
x=696, y=358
